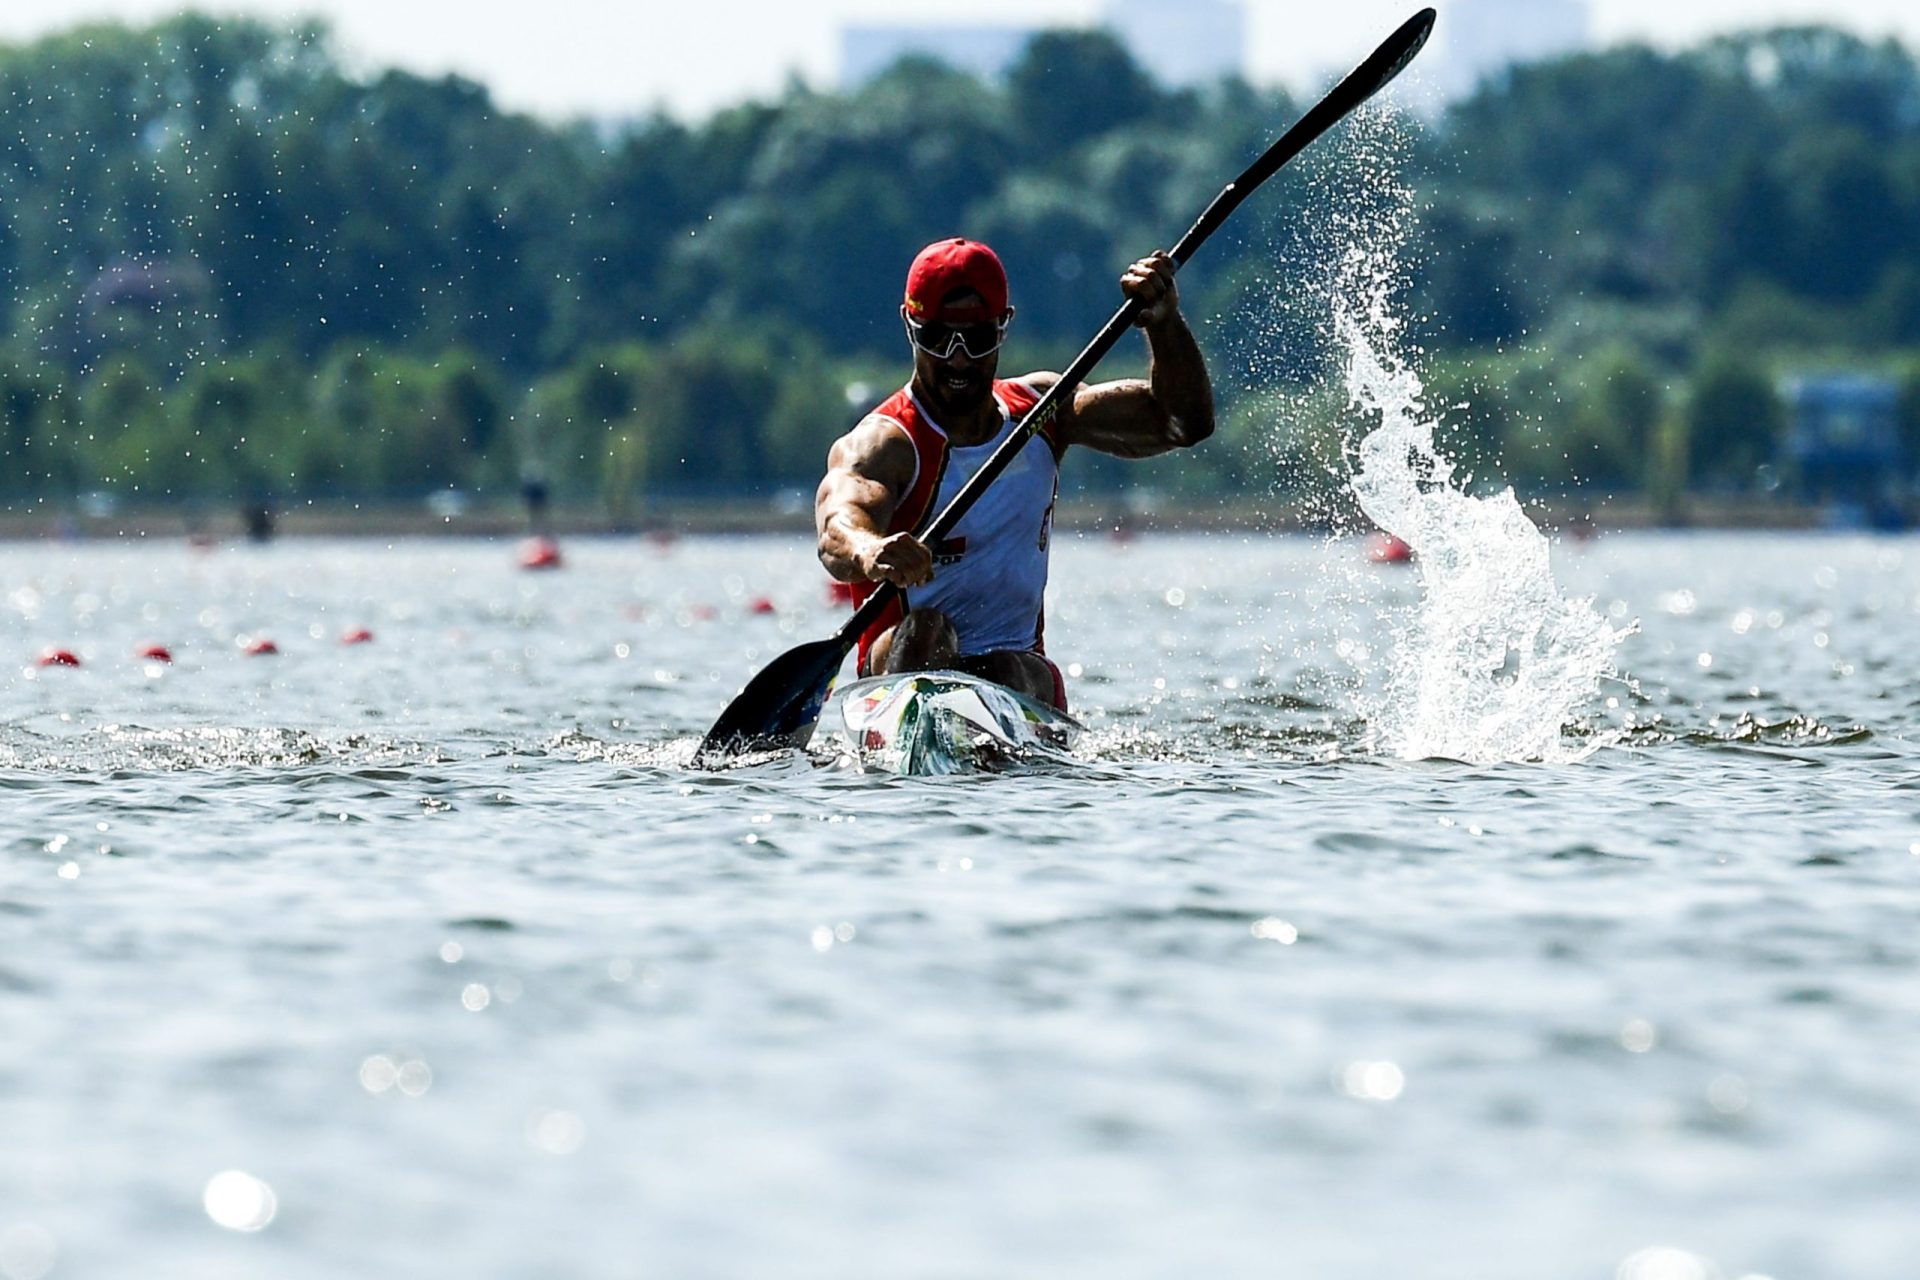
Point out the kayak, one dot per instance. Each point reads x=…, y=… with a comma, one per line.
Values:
x=943, y=722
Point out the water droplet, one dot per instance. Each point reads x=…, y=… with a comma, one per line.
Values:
x=414, y=1078
x=1274, y=929
x=558, y=1133
x=1373, y=1081
x=239, y=1201
x=27, y=1251
x=1662, y=1263
x=378, y=1073
x=1728, y=1094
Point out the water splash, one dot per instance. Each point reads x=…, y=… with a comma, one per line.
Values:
x=1494, y=663
x=134, y=748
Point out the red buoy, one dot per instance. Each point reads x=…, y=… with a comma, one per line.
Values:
x=259, y=646
x=539, y=553
x=51, y=657
x=1384, y=548
x=760, y=604
x=356, y=635
x=154, y=653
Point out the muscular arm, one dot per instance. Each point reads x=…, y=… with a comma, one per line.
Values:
x=868, y=471
x=1172, y=408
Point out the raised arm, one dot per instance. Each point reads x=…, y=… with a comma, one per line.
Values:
x=868, y=471
x=1173, y=407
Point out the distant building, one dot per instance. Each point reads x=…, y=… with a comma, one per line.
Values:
x=1477, y=38
x=1178, y=41
x=1182, y=41
x=1843, y=446
x=867, y=49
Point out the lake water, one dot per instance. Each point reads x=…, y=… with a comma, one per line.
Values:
x=430, y=956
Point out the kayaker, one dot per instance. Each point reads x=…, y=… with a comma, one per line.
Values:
x=974, y=602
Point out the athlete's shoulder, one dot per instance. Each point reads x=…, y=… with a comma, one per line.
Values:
x=887, y=424
x=897, y=406
x=1023, y=393
x=1033, y=385
x=880, y=447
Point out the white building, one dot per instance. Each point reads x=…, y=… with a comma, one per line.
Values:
x=1182, y=41
x=1476, y=38
x=1178, y=41
x=867, y=49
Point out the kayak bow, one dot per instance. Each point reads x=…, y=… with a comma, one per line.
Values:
x=943, y=722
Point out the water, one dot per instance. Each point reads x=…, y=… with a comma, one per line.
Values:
x=439, y=952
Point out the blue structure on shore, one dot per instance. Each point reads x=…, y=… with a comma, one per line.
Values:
x=1843, y=444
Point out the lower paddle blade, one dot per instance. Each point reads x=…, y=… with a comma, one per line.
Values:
x=779, y=706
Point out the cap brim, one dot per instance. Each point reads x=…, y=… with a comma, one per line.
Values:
x=970, y=313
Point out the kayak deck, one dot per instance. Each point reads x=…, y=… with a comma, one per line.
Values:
x=945, y=722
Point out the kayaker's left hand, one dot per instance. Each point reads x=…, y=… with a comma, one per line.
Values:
x=1151, y=280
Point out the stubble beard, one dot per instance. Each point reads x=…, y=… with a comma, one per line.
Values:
x=953, y=399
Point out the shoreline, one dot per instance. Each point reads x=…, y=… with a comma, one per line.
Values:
x=1113, y=515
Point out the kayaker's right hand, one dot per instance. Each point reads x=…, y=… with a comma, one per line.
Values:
x=899, y=558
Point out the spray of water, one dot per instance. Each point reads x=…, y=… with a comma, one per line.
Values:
x=1494, y=663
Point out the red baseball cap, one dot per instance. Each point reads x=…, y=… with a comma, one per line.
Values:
x=948, y=265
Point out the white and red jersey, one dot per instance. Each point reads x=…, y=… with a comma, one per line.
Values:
x=990, y=571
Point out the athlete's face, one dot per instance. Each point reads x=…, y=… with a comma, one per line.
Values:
x=955, y=384
x=954, y=364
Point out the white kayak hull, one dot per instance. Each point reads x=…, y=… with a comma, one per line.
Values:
x=942, y=722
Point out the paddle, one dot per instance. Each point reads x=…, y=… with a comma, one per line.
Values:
x=780, y=706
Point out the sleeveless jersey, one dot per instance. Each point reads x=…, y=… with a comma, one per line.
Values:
x=990, y=571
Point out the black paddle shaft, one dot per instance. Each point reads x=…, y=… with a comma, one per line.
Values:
x=1365, y=80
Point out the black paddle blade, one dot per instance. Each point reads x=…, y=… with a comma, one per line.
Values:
x=1403, y=44
x=779, y=706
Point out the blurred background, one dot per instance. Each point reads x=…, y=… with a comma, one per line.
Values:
x=398, y=265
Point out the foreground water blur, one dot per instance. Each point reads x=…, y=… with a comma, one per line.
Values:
x=431, y=955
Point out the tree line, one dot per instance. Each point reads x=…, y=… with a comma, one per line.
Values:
x=229, y=266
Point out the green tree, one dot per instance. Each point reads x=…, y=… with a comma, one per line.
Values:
x=1734, y=419
x=1850, y=223
x=1068, y=87
x=37, y=433
x=1909, y=412
x=1613, y=413
x=121, y=401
